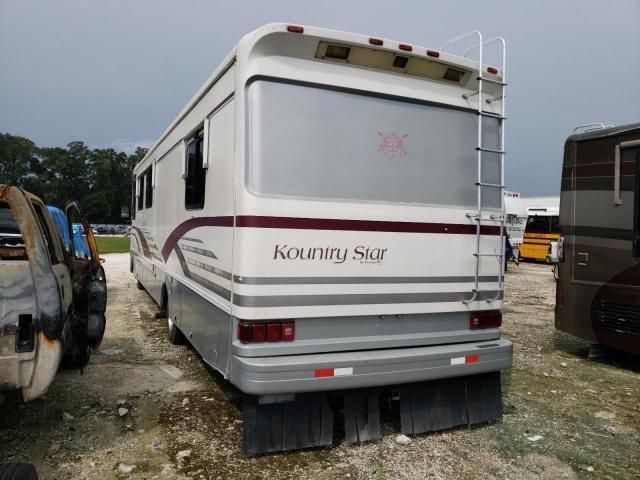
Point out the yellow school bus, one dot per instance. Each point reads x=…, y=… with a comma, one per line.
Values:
x=540, y=236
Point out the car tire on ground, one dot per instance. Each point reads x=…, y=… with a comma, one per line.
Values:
x=18, y=471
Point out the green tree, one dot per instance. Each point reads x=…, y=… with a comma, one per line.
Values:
x=17, y=159
x=101, y=179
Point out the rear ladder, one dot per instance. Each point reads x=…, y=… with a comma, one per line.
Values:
x=479, y=215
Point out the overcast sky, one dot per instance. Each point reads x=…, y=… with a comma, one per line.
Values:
x=116, y=72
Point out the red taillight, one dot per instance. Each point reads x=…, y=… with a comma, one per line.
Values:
x=375, y=41
x=489, y=319
x=433, y=53
x=493, y=70
x=295, y=29
x=273, y=332
x=259, y=332
x=244, y=332
x=288, y=333
x=405, y=47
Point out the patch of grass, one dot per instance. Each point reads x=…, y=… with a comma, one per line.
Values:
x=113, y=244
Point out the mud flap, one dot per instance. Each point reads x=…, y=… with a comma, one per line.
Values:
x=443, y=404
x=304, y=422
x=484, y=398
x=362, y=415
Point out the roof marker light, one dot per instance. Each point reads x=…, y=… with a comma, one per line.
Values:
x=375, y=41
x=295, y=29
x=433, y=53
x=493, y=70
x=405, y=47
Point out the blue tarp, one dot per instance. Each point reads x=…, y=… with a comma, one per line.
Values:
x=79, y=240
x=60, y=219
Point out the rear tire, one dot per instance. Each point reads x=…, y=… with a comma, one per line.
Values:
x=174, y=334
x=18, y=471
x=78, y=351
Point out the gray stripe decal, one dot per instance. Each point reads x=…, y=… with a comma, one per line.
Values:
x=182, y=261
x=189, y=239
x=208, y=284
x=353, y=280
x=318, y=300
x=357, y=299
x=209, y=268
x=199, y=251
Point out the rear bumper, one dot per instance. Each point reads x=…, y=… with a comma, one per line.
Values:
x=370, y=368
x=33, y=371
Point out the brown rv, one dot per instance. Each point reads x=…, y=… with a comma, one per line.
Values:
x=598, y=287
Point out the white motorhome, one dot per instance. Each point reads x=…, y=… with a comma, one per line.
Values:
x=323, y=223
x=515, y=219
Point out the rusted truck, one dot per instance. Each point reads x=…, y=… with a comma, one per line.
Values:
x=52, y=294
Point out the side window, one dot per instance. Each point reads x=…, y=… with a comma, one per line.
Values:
x=49, y=236
x=196, y=173
x=140, y=192
x=148, y=187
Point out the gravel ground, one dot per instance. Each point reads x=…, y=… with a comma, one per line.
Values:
x=145, y=409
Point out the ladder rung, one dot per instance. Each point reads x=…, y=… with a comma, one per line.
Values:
x=487, y=255
x=491, y=80
x=491, y=115
x=491, y=150
x=494, y=185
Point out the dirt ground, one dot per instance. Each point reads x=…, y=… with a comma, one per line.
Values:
x=565, y=416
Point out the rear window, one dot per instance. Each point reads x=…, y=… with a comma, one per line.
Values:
x=542, y=224
x=8, y=224
x=11, y=243
x=322, y=143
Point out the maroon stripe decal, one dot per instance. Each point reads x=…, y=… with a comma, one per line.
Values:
x=598, y=170
x=300, y=223
x=188, y=225
x=143, y=242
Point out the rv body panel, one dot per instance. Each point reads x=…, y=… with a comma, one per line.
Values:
x=599, y=281
x=336, y=198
